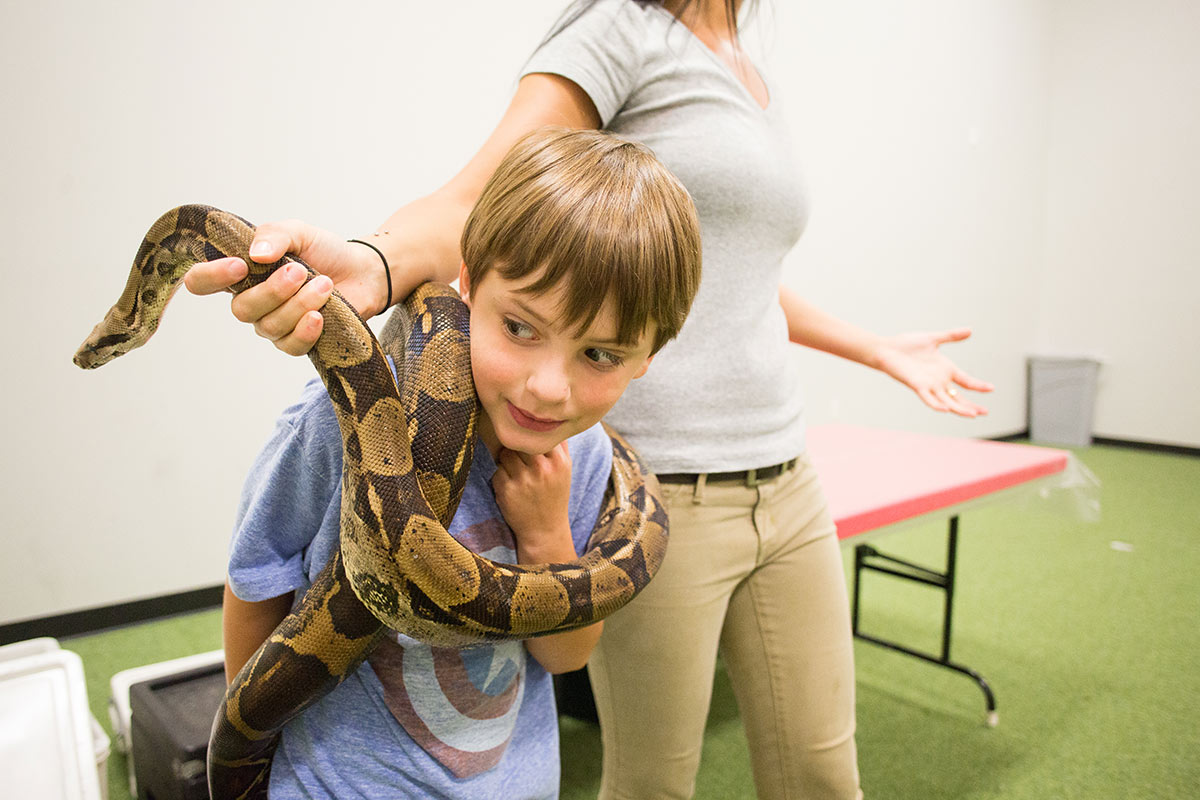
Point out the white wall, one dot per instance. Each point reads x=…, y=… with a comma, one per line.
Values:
x=924, y=126
x=121, y=483
x=1122, y=251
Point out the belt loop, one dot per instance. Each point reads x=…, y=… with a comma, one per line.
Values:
x=698, y=491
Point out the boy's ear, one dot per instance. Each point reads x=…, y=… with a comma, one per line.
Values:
x=464, y=283
x=645, y=367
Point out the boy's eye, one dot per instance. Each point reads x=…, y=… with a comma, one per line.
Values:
x=602, y=358
x=517, y=329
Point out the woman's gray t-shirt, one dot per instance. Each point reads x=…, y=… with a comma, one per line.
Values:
x=725, y=394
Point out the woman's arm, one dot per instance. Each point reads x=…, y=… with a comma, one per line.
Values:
x=246, y=625
x=420, y=240
x=914, y=359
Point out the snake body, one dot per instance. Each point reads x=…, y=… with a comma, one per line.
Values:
x=407, y=452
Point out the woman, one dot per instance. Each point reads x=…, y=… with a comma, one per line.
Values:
x=753, y=568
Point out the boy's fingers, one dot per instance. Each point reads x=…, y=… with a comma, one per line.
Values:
x=210, y=277
x=514, y=460
x=528, y=459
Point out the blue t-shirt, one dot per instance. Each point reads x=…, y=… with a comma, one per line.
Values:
x=415, y=721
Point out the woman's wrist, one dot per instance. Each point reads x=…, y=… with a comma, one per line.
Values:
x=887, y=357
x=377, y=272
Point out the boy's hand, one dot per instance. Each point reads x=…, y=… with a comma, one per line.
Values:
x=533, y=492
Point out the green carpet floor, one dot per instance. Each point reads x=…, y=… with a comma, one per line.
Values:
x=1091, y=649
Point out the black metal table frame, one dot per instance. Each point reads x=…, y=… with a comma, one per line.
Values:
x=867, y=558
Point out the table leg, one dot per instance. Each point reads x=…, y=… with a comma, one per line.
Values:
x=867, y=557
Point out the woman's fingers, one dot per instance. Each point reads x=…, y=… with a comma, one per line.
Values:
x=277, y=304
x=303, y=336
x=273, y=239
x=949, y=399
x=279, y=287
x=930, y=398
x=953, y=335
x=953, y=401
x=211, y=277
x=970, y=382
x=284, y=308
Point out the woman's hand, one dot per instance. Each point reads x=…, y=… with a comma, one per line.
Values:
x=911, y=358
x=423, y=243
x=285, y=308
x=915, y=360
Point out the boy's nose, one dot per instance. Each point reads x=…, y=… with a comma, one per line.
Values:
x=549, y=384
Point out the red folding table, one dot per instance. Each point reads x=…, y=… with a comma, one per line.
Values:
x=877, y=479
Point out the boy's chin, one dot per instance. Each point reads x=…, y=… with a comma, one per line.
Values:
x=534, y=443
x=510, y=435
x=529, y=446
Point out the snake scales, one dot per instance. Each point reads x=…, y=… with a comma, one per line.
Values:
x=407, y=454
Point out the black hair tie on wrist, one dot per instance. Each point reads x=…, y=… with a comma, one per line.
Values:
x=386, y=271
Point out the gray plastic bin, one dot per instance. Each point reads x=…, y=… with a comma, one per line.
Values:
x=1062, y=399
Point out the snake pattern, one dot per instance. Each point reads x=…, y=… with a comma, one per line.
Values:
x=407, y=452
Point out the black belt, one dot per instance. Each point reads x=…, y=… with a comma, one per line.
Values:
x=751, y=477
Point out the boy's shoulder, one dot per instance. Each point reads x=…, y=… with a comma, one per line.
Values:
x=591, y=458
x=311, y=420
x=592, y=443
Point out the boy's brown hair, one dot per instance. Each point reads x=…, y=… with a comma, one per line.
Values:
x=598, y=214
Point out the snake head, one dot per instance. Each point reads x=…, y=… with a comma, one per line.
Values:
x=98, y=352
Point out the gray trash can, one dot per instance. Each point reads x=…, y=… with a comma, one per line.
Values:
x=1062, y=398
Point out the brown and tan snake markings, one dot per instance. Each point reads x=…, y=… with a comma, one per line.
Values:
x=407, y=452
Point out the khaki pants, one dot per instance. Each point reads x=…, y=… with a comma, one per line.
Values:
x=758, y=573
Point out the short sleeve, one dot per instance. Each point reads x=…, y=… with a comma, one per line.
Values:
x=601, y=50
x=291, y=494
x=591, y=465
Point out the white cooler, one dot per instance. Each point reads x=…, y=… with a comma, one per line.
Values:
x=51, y=747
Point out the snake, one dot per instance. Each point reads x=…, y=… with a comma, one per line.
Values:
x=407, y=443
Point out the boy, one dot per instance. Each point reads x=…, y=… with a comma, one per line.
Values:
x=580, y=261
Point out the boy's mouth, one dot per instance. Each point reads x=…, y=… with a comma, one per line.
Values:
x=530, y=422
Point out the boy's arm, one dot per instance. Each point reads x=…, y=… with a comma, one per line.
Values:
x=533, y=494
x=246, y=625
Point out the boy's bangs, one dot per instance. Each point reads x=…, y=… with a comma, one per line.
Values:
x=591, y=260
x=601, y=218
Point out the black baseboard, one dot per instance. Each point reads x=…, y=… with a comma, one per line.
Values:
x=1131, y=444
x=94, y=619
x=1155, y=447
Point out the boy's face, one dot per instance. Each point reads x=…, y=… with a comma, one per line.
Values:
x=539, y=381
